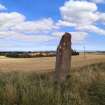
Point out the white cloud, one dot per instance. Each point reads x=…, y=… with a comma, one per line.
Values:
x=62, y=23
x=9, y=20
x=2, y=7
x=95, y=1
x=102, y=17
x=45, y=24
x=23, y=37
x=16, y=21
x=79, y=12
x=91, y=28
x=82, y=15
x=76, y=36
x=15, y=25
x=98, y=1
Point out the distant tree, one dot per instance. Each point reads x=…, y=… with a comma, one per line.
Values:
x=75, y=52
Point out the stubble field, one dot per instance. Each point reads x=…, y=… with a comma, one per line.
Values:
x=21, y=85
x=46, y=64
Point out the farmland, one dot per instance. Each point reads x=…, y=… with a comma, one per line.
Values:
x=85, y=86
x=46, y=64
x=26, y=81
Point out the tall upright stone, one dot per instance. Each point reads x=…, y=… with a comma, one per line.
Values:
x=63, y=58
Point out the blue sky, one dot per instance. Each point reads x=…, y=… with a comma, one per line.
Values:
x=30, y=25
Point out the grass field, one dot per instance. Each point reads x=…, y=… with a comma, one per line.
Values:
x=45, y=64
x=21, y=85
x=85, y=86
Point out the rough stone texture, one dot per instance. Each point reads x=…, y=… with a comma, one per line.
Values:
x=63, y=58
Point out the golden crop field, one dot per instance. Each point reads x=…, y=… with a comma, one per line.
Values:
x=45, y=64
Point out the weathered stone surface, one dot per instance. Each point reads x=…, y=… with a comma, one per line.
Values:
x=63, y=58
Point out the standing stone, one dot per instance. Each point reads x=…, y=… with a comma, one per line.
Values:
x=63, y=58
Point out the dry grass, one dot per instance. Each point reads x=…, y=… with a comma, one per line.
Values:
x=45, y=64
x=85, y=86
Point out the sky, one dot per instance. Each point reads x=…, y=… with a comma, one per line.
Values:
x=33, y=25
